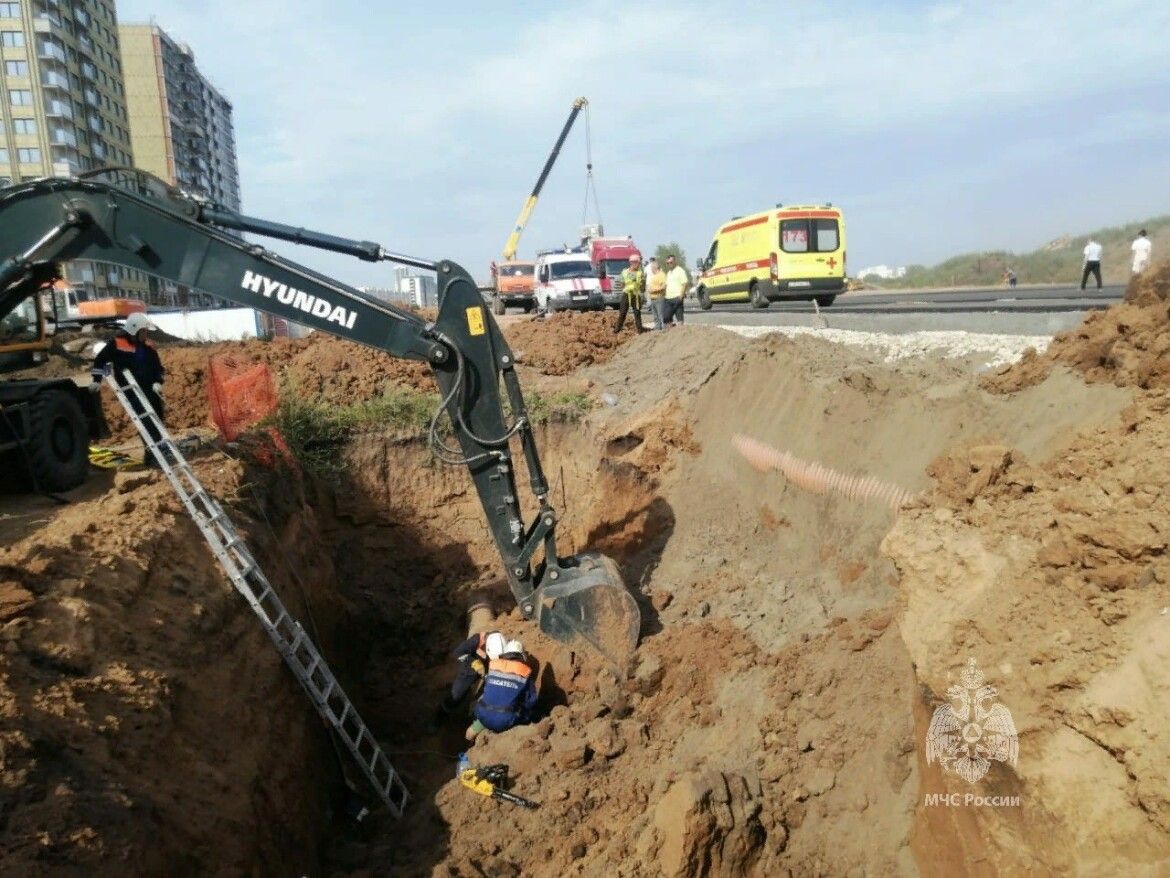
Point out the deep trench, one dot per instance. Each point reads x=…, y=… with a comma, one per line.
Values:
x=408, y=554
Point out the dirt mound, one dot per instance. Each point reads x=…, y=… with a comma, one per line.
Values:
x=1053, y=574
x=329, y=369
x=321, y=367
x=140, y=704
x=1126, y=344
x=567, y=340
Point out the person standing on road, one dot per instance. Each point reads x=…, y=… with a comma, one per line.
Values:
x=656, y=290
x=633, y=282
x=130, y=351
x=676, y=289
x=1141, y=248
x=1092, y=263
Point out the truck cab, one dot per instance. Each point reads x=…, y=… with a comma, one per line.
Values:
x=60, y=303
x=514, y=280
x=609, y=257
x=566, y=280
x=45, y=424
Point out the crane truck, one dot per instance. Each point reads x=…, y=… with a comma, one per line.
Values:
x=128, y=218
x=514, y=280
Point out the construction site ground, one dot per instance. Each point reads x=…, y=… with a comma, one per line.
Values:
x=794, y=645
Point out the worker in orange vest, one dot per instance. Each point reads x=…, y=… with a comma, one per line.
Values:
x=509, y=693
x=131, y=351
x=473, y=656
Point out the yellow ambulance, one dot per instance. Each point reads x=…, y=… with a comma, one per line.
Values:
x=793, y=252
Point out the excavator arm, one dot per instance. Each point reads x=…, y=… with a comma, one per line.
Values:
x=133, y=220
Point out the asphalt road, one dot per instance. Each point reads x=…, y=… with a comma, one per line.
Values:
x=1023, y=311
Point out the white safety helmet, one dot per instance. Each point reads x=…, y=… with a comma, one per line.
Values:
x=137, y=321
x=495, y=645
x=513, y=646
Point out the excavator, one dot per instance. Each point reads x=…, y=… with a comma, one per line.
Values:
x=129, y=218
x=514, y=280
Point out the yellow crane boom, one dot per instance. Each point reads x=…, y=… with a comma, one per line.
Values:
x=530, y=203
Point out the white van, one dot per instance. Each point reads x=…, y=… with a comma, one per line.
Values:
x=566, y=279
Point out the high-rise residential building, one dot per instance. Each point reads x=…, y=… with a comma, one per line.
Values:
x=64, y=103
x=63, y=106
x=180, y=124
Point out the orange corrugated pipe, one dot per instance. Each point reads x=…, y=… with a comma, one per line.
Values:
x=820, y=479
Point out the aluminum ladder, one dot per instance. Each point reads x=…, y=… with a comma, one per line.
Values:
x=294, y=644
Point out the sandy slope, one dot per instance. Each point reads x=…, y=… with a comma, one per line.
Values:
x=794, y=646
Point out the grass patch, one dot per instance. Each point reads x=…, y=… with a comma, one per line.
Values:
x=316, y=431
x=564, y=407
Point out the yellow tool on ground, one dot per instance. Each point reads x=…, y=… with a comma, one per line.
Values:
x=490, y=781
x=111, y=458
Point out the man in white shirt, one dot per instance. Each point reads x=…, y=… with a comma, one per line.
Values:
x=1141, y=248
x=1092, y=263
x=676, y=288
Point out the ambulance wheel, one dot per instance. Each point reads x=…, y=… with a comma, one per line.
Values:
x=825, y=301
x=758, y=298
x=704, y=299
x=498, y=306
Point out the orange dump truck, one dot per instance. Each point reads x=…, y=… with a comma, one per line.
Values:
x=515, y=285
x=114, y=309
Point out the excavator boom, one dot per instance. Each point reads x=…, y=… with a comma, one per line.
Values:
x=130, y=219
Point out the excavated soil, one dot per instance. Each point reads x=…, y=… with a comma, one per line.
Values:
x=794, y=646
x=1126, y=344
x=335, y=371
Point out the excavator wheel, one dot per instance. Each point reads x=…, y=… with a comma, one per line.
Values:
x=585, y=604
x=58, y=441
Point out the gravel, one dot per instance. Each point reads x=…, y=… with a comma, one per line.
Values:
x=995, y=350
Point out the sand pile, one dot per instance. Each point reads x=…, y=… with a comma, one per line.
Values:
x=1126, y=344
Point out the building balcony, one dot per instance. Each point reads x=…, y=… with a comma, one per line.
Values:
x=53, y=79
x=47, y=49
x=62, y=137
x=58, y=109
x=52, y=18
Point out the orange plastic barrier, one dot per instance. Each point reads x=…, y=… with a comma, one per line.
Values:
x=110, y=307
x=241, y=394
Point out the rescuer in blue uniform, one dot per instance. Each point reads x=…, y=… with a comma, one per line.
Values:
x=509, y=693
x=130, y=351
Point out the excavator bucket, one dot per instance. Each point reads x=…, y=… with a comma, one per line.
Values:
x=583, y=602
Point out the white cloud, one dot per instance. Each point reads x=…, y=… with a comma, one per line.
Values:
x=427, y=132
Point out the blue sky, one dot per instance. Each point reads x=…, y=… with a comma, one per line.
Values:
x=938, y=127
